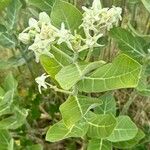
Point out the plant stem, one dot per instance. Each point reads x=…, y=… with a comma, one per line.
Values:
x=55, y=88
x=147, y=24
x=26, y=60
x=128, y=103
x=89, y=55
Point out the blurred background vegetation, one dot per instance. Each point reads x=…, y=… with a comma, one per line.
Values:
x=43, y=110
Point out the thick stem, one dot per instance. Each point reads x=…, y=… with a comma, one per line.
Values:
x=89, y=55
x=55, y=88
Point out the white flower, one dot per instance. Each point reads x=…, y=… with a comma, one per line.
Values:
x=44, y=18
x=48, y=32
x=40, y=47
x=24, y=38
x=65, y=36
x=91, y=42
x=96, y=5
x=97, y=19
x=41, y=82
x=33, y=24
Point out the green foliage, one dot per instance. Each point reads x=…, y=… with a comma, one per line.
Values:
x=124, y=130
x=12, y=14
x=100, y=126
x=51, y=66
x=86, y=89
x=4, y=4
x=6, y=140
x=65, y=12
x=116, y=75
x=128, y=44
x=6, y=40
x=130, y=143
x=146, y=3
x=108, y=105
x=44, y=5
x=99, y=144
x=68, y=76
x=59, y=131
x=81, y=105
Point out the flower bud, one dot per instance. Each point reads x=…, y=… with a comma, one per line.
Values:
x=24, y=38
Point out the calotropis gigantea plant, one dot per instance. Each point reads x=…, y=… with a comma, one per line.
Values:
x=64, y=44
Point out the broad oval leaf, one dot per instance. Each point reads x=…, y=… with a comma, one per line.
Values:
x=146, y=3
x=59, y=131
x=108, y=105
x=44, y=5
x=76, y=107
x=130, y=143
x=68, y=76
x=65, y=12
x=6, y=102
x=128, y=44
x=10, y=83
x=5, y=140
x=125, y=130
x=61, y=56
x=123, y=72
x=143, y=87
x=100, y=126
x=13, y=14
x=6, y=40
x=99, y=144
x=51, y=66
x=14, y=121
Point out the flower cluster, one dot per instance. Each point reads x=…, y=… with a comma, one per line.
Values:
x=41, y=34
x=96, y=20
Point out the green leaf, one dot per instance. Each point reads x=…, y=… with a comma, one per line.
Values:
x=128, y=44
x=100, y=126
x=13, y=14
x=51, y=66
x=125, y=130
x=130, y=143
x=2, y=92
x=5, y=140
x=65, y=12
x=146, y=3
x=4, y=4
x=123, y=72
x=6, y=40
x=99, y=144
x=143, y=87
x=68, y=76
x=108, y=105
x=14, y=121
x=59, y=131
x=79, y=106
x=61, y=56
x=44, y=5
x=10, y=83
x=2, y=28
x=5, y=103
x=12, y=62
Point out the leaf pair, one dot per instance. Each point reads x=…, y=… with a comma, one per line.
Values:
x=15, y=117
x=123, y=72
